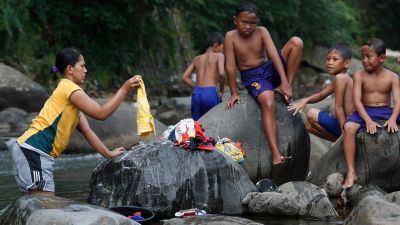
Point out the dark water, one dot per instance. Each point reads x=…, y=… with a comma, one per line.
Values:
x=72, y=176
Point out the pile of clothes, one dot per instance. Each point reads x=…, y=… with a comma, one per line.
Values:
x=189, y=134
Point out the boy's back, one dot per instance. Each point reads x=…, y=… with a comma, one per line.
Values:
x=208, y=66
x=348, y=105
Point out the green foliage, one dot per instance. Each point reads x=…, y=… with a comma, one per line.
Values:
x=157, y=38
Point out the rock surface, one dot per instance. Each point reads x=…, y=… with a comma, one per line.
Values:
x=17, y=90
x=243, y=123
x=210, y=220
x=165, y=178
x=34, y=210
x=377, y=161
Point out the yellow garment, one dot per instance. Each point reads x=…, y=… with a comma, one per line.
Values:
x=145, y=123
x=51, y=129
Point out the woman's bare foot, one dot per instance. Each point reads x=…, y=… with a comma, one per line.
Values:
x=278, y=161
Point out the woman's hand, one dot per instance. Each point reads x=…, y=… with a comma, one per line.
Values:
x=116, y=152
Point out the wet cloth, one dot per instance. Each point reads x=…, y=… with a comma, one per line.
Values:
x=261, y=78
x=144, y=119
x=33, y=171
x=329, y=123
x=51, y=129
x=233, y=149
x=376, y=113
x=203, y=99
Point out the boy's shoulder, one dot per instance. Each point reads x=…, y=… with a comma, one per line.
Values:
x=342, y=76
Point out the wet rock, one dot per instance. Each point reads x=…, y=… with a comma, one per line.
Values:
x=165, y=178
x=273, y=203
x=3, y=145
x=34, y=210
x=394, y=197
x=17, y=90
x=311, y=200
x=244, y=123
x=377, y=160
x=373, y=208
x=333, y=185
x=120, y=129
x=210, y=220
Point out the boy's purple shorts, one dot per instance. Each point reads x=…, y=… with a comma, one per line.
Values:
x=329, y=123
x=376, y=113
x=261, y=78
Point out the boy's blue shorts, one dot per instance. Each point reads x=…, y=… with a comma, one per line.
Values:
x=262, y=78
x=329, y=123
x=203, y=99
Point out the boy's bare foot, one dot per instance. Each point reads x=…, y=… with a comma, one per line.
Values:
x=278, y=161
x=350, y=179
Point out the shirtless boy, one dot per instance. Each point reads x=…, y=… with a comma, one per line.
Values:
x=321, y=123
x=209, y=68
x=247, y=48
x=372, y=90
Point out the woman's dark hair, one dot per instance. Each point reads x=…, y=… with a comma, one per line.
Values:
x=67, y=56
x=214, y=38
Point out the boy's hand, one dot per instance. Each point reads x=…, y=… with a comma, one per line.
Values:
x=286, y=90
x=392, y=126
x=234, y=98
x=371, y=126
x=297, y=106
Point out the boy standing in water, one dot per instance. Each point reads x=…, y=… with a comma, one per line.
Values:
x=209, y=69
x=373, y=87
x=321, y=123
x=247, y=48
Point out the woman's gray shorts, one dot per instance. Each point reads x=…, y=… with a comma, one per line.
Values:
x=33, y=171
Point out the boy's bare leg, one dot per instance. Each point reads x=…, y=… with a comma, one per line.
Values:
x=349, y=145
x=267, y=102
x=312, y=126
x=292, y=52
x=42, y=193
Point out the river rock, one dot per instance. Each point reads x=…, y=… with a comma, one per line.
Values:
x=120, y=129
x=34, y=210
x=17, y=90
x=210, y=220
x=377, y=160
x=3, y=145
x=13, y=122
x=374, y=209
x=311, y=200
x=243, y=123
x=394, y=197
x=165, y=178
x=273, y=203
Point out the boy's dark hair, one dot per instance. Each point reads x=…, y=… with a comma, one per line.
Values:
x=343, y=49
x=67, y=56
x=376, y=44
x=214, y=38
x=247, y=7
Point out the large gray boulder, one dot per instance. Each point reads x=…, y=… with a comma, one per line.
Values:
x=165, y=178
x=17, y=90
x=34, y=210
x=244, y=123
x=377, y=160
x=373, y=208
x=120, y=129
x=13, y=122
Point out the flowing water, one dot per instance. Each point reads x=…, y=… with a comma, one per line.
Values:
x=72, y=176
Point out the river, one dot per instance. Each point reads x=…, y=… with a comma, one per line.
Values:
x=72, y=176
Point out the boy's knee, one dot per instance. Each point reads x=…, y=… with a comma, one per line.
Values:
x=350, y=128
x=312, y=115
x=297, y=42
